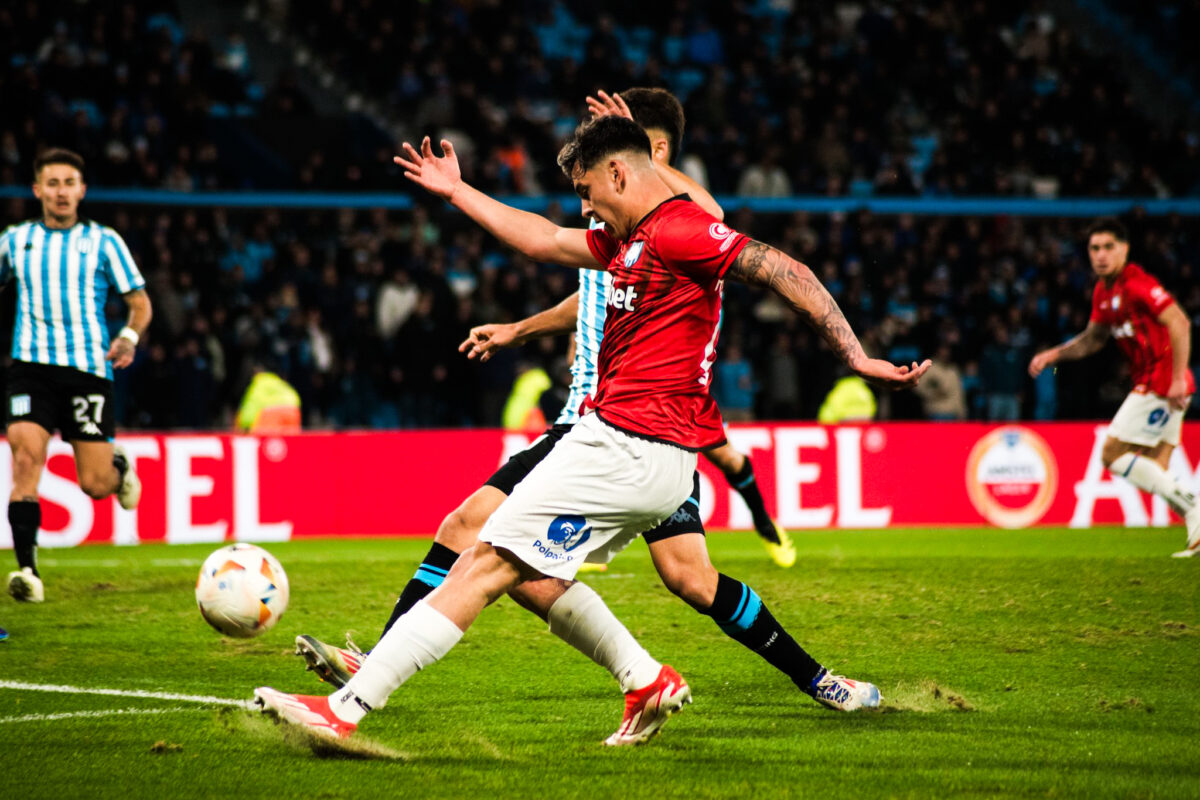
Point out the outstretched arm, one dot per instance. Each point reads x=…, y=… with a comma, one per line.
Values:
x=530, y=234
x=484, y=340
x=761, y=265
x=604, y=104
x=1092, y=339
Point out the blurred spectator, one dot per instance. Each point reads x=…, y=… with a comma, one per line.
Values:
x=941, y=390
x=1002, y=376
x=850, y=400
x=734, y=386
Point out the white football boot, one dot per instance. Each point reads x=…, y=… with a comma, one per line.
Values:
x=1192, y=519
x=26, y=587
x=130, y=490
x=842, y=694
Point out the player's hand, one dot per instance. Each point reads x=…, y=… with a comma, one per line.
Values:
x=439, y=175
x=120, y=353
x=606, y=105
x=1178, y=396
x=889, y=376
x=485, y=340
x=1041, y=361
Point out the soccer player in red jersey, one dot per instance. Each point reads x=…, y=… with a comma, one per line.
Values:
x=1155, y=335
x=629, y=463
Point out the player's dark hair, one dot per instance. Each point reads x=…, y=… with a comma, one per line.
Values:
x=598, y=138
x=657, y=109
x=56, y=155
x=1109, y=225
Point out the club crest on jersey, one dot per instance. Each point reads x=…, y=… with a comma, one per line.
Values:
x=1116, y=303
x=569, y=531
x=722, y=234
x=633, y=253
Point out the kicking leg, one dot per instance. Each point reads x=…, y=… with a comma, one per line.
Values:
x=417, y=640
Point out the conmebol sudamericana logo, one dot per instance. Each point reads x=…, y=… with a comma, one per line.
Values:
x=1012, y=477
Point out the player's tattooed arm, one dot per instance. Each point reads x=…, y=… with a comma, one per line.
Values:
x=1089, y=341
x=762, y=265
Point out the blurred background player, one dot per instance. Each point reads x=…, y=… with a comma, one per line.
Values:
x=63, y=360
x=1155, y=335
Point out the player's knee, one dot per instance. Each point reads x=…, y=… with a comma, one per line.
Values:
x=26, y=463
x=457, y=531
x=96, y=485
x=1111, y=452
x=696, y=588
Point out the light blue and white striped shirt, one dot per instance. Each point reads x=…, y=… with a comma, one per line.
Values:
x=594, y=285
x=63, y=280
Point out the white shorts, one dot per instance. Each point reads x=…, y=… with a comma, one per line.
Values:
x=1147, y=419
x=589, y=498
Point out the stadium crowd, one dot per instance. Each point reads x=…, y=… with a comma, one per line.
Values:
x=362, y=311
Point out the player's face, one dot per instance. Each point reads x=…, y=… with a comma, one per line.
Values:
x=60, y=187
x=598, y=196
x=1107, y=254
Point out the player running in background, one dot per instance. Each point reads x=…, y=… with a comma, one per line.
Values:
x=1155, y=335
x=630, y=461
x=63, y=359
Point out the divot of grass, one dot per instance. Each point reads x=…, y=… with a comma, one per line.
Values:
x=925, y=697
x=262, y=726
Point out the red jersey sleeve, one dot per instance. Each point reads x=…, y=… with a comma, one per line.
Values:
x=699, y=244
x=1150, y=296
x=603, y=246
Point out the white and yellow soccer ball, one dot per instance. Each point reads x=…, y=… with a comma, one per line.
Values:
x=242, y=590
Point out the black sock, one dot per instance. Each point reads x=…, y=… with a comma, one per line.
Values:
x=25, y=517
x=428, y=577
x=743, y=480
x=741, y=614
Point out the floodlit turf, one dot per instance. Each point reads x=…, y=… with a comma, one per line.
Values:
x=1043, y=663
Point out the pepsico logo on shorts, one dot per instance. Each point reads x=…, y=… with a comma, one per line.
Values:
x=1012, y=477
x=569, y=531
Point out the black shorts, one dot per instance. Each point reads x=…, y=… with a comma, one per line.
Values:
x=516, y=468
x=685, y=520
x=61, y=398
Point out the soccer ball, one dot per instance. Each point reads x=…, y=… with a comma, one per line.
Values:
x=242, y=590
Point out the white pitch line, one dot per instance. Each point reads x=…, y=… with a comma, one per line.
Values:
x=91, y=714
x=187, y=698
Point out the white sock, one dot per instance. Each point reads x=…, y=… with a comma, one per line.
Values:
x=418, y=639
x=1147, y=475
x=581, y=619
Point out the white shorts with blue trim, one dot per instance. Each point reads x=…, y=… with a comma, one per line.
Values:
x=1147, y=419
x=596, y=491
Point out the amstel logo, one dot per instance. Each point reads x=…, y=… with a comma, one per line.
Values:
x=1011, y=477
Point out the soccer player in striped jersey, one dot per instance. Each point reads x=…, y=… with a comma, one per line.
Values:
x=1155, y=335
x=63, y=359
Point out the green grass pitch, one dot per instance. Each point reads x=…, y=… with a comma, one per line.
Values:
x=1046, y=663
